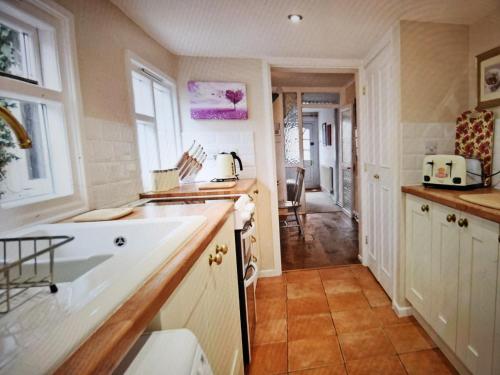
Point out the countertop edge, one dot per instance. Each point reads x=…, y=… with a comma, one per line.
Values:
x=450, y=199
x=103, y=349
x=243, y=186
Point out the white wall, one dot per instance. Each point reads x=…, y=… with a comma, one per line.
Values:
x=327, y=155
x=252, y=138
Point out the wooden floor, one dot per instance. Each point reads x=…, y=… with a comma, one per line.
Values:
x=337, y=321
x=330, y=239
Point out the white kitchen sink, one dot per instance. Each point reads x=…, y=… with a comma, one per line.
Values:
x=97, y=272
x=93, y=243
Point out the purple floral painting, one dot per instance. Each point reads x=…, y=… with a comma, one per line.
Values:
x=218, y=100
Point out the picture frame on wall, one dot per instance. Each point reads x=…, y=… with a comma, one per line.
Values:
x=488, y=79
x=329, y=134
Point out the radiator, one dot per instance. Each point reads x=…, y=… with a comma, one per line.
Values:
x=326, y=178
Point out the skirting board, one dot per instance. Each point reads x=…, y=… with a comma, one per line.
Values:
x=269, y=273
x=401, y=311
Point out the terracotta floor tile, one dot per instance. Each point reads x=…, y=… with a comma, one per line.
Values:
x=271, y=308
x=369, y=282
x=347, y=301
x=388, y=317
x=371, y=343
x=359, y=270
x=355, y=320
x=272, y=280
x=304, y=290
x=341, y=286
x=336, y=273
x=315, y=325
x=376, y=298
x=427, y=362
x=408, y=338
x=304, y=306
x=270, y=331
x=302, y=276
x=386, y=365
x=338, y=369
x=313, y=352
x=270, y=291
x=269, y=359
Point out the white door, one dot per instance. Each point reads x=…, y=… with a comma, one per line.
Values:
x=477, y=294
x=345, y=150
x=418, y=255
x=444, y=273
x=311, y=154
x=378, y=151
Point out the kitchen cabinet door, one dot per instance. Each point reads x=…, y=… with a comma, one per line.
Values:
x=477, y=294
x=444, y=273
x=418, y=255
x=225, y=344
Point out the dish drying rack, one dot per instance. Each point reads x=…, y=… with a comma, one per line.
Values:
x=20, y=268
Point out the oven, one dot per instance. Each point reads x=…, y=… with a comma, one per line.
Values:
x=247, y=275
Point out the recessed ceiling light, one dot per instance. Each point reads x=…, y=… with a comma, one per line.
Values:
x=295, y=18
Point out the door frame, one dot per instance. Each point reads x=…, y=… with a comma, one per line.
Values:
x=340, y=151
x=354, y=66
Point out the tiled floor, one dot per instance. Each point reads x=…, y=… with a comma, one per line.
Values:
x=337, y=321
x=330, y=239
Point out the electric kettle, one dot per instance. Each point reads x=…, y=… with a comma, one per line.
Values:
x=225, y=166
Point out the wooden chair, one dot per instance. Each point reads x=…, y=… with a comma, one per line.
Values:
x=292, y=206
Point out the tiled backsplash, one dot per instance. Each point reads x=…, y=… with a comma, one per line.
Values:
x=112, y=161
x=242, y=142
x=419, y=138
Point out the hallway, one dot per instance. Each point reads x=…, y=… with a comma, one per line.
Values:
x=318, y=201
x=337, y=321
x=331, y=239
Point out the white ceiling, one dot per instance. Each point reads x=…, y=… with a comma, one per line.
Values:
x=260, y=28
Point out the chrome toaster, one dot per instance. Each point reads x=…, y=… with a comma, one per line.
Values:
x=452, y=172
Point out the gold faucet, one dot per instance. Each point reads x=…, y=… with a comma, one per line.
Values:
x=19, y=130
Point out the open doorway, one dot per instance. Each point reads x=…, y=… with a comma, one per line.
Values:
x=315, y=132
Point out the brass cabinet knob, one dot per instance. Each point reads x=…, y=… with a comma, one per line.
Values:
x=425, y=208
x=463, y=223
x=217, y=259
x=256, y=191
x=221, y=249
x=451, y=218
x=254, y=258
x=253, y=239
x=376, y=176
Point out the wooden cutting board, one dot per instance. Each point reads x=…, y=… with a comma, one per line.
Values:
x=491, y=200
x=217, y=185
x=104, y=214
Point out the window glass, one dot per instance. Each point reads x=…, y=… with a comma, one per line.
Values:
x=291, y=129
x=29, y=175
x=166, y=125
x=306, y=143
x=18, y=50
x=143, y=95
x=148, y=151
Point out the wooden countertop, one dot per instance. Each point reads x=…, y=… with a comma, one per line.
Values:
x=242, y=186
x=450, y=198
x=105, y=348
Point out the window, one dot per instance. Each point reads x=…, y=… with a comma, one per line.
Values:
x=32, y=89
x=156, y=118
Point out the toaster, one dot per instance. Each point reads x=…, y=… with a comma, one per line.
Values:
x=452, y=172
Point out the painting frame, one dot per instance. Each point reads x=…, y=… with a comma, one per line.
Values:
x=217, y=100
x=488, y=79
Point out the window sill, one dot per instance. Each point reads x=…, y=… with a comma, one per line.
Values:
x=33, y=200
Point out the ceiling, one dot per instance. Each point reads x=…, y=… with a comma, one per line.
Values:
x=286, y=78
x=260, y=28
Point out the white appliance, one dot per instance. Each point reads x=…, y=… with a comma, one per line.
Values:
x=170, y=352
x=225, y=165
x=452, y=172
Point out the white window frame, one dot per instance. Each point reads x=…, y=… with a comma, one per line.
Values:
x=136, y=64
x=64, y=91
